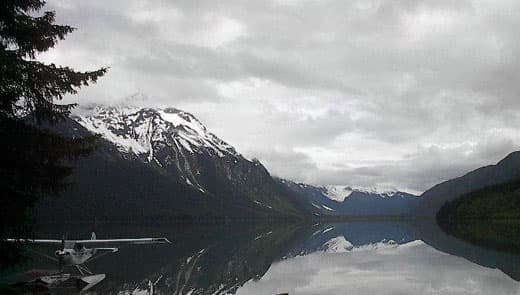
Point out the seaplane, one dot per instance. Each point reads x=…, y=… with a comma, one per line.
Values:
x=75, y=253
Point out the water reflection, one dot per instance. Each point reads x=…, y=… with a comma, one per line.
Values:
x=411, y=268
x=354, y=258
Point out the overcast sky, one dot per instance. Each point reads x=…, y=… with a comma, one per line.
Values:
x=390, y=93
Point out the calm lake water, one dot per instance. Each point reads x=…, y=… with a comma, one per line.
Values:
x=340, y=258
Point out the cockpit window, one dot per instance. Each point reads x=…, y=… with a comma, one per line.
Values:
x=78, y=246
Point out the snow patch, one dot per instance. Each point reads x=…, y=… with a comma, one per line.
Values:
x=328, y=229
x=327, y=208
x=337, y=193
x=262, y=204
x=123, y=143
x=337, y=245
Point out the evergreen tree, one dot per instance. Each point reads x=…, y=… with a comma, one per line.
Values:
x=33, y=158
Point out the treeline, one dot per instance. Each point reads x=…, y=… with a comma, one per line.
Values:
x=493, y=202
x=489, y=217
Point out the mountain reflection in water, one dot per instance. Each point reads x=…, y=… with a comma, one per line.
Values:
x=411, y=268
x=343, y=258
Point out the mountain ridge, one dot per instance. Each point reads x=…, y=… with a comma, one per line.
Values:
x=195, y=173
x=503, y=171
x=355, y=202
x=178, y=168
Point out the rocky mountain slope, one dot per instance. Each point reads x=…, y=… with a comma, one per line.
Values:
x=159, y=162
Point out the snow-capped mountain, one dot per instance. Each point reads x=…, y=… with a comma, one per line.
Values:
x=142, y=130
x=337, y=245
x=167, y=137
x=341, y=192
x=346, y=200
x=165, y=162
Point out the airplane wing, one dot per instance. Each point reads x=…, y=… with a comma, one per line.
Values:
x=95, y=242
x=33, y=241
x=124, y=241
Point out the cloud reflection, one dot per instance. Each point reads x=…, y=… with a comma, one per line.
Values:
x=412, y=268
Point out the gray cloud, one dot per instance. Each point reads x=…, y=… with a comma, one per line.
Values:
x=405, y=93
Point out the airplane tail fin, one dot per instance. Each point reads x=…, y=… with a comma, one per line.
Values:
x=93, y=236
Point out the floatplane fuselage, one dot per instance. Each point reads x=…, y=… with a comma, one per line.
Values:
x=76, y=253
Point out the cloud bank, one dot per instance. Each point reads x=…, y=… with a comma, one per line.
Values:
x=372, y=92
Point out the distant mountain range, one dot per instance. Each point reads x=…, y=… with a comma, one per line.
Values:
x=164, y=163
x=345, y=200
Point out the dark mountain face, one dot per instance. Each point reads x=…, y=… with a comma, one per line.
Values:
x=109, y=185
x=366, y=203
x=504, y=171
x=164, y=163
x=314, y=196
x=353, y=202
